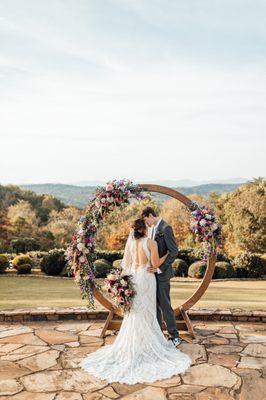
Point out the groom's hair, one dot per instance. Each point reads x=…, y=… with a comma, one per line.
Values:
x=147, y=211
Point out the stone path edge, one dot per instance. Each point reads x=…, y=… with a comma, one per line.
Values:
x=83, y=313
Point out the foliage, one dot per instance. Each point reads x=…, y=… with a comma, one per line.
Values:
x=110, y=256
x=180, y=267
x=243, y=214
x=62, y=223
x=53, y=262
x=197, y=269
x=22, y=259
x=23, y=245
x=249, y=264
x=117, y=263
x=223, y=270
x=24, y=269
x=102, y=267
x=4, y=263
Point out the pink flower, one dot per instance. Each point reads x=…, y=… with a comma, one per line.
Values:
x=109, y=187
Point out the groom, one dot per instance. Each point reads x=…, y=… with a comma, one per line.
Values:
x=163, y=234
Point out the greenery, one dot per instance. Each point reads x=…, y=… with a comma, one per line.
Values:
x=54, y=262
x=117, y=263
x=23, y=245
x=4, y=263
x=223, y=270
x=180, y=267
x=102, y=268
x=197, y=269
x=110, y=256
x=249, y=265
x=22, y=259
x=24, y=269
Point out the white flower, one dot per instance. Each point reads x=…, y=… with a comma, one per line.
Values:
x=214, y=227
x=208, y=216
x=82, y=259
x=80, y=246
x=203, y=222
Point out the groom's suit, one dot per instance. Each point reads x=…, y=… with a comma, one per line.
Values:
x=166, y=242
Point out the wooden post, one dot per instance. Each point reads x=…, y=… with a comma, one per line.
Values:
x=107, y=323
x=188, y=322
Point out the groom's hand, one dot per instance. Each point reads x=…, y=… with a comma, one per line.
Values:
x=152, y=269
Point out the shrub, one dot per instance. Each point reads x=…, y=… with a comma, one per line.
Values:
x=4, y=263
x=249, y=264
x=24, y=269
x=197, y=269
x=102, y=268
x=22, y=245
x=188, y=255
x=21, y=260
x=53, y=262
x=109, y=256
x=180, y=267
x=223, y=270
x=117, y=263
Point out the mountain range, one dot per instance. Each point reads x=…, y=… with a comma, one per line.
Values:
x=79, y=195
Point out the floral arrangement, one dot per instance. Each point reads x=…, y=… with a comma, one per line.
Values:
x=80, y=252
x=203, y=224
x=120, y=288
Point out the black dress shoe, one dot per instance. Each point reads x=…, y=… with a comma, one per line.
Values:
x=176, y=340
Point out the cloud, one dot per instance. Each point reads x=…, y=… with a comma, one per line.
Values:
x=93, y=91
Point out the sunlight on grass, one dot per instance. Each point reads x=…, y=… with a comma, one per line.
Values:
x=20, y=292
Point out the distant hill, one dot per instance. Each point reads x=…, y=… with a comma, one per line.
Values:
x=80, y=195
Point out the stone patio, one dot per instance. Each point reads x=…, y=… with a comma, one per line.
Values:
x=39, y=361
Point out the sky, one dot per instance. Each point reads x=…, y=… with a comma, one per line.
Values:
x=144, y=90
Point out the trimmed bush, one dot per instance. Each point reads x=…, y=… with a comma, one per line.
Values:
x=197, y=269
x=223, y=270
x=109, y=256
x=24, y=269
x=249, y=264
x=4, y=263
x=21, y=260
x=102, y=268
x=53, y=262
x=25, y=244
x=117, y=263
x=187, y=255
x=180, y=267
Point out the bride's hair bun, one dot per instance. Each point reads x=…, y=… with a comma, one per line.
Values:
x=139, y=228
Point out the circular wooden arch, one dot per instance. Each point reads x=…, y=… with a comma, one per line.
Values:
x=194, y=298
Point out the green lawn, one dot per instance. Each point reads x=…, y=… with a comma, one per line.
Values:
x=20, y=292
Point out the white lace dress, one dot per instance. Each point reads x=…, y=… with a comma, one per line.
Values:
x=140, y=352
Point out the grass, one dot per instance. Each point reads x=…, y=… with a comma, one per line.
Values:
x=20, y=292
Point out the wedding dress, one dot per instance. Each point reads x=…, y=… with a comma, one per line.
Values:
x=140, y=352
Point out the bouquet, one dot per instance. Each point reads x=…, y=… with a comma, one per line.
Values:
x=206, y=228
x=120, y=288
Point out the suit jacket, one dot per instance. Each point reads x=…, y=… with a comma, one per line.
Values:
x=165, y=239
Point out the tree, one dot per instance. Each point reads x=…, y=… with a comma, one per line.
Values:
x=244, y=217
x=62, y=224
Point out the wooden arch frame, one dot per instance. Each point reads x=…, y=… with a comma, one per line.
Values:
x=180, y=311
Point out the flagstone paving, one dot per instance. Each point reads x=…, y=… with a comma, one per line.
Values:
x=39, y=361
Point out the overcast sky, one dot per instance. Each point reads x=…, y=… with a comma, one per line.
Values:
x=147, y=90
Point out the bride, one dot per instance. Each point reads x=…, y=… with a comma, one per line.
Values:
x=140, y=352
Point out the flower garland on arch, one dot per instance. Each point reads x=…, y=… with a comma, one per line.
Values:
x=116, y=195
x=80, y=253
